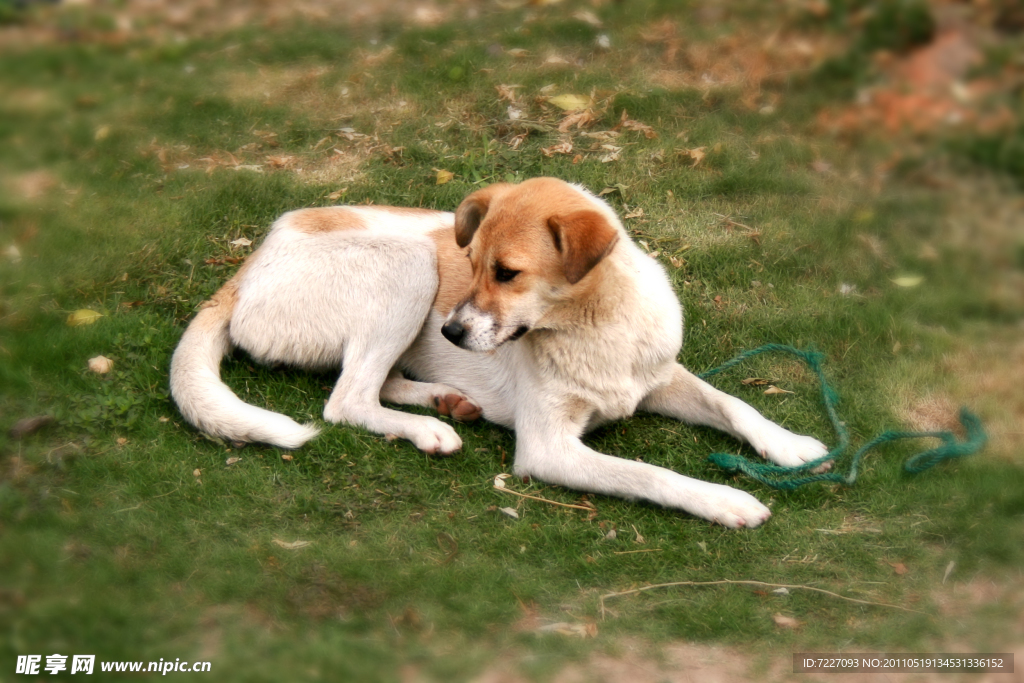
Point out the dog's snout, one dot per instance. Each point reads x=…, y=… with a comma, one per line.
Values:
x=453, y=331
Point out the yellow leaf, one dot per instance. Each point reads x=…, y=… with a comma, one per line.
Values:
x=908, y=280
x=772, y=390
x=443, y=176
x=102, y=133
x=83, y=316
x=294, y=545
x=570, y=102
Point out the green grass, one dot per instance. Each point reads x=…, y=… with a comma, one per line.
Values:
x=112, y=545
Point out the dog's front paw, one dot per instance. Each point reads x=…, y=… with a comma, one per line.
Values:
x=459, y=407
x=434, y=436
x=782, y=447
x=734, y=509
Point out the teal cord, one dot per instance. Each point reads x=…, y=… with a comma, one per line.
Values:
x=783, y=477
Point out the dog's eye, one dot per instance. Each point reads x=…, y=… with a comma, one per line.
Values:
x=503, y=274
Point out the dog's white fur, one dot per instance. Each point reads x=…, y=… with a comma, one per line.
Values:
x=368, y=289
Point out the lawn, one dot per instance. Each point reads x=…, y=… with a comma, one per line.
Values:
x=144, y=154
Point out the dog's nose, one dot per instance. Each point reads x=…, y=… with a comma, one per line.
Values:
x=454, y=332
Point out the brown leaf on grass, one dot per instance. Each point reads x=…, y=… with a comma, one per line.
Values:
x=648, y=132
x=755, y=382
x=507, y=92
x=268, y=137
x=293, y=545
x=281, y=161
x=443, y=176
x=898, y=567
x=697, y=154
x=561, y=148
x=516, y=140
x=782, y=621
x=579, y=119
x=612, y=153
x=632, y=124
x=773, y=390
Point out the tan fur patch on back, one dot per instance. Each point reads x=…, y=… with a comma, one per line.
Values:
x=328, y=219
x=453, y=271
x=406, y=211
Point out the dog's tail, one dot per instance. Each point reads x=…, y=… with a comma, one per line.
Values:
x=205, y=401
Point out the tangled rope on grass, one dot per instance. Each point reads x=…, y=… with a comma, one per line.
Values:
x=790, y=478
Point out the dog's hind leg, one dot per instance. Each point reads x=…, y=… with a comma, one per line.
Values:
x=445, y=399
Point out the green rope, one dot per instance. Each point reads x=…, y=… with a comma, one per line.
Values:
x=784, y=477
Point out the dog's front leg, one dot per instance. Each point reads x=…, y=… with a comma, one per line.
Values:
x=689, y=399
x=548, y=449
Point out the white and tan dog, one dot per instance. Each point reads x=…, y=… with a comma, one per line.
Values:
x=530, y=306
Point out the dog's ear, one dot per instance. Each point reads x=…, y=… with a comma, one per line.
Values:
x=471, y=213
x=583, y=238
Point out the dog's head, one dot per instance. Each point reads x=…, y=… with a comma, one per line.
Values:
x=533, y=248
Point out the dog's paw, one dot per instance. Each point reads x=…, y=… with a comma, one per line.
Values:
x=458, y=407
x=782, y=447
x=434, y=436
x=735, y=509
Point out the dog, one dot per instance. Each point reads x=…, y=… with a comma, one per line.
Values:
x=529, y=306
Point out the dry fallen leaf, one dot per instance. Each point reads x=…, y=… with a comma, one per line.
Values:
x=101, y=365
x=755, y=382
x=83, y=316
x=567, y=629
x=287, y=457
x=782, y=621
x=294, y=545
x=898, y=567
x=587, y=17
x=613, y=153
x=697, y=154
x=443, y=176
x=197, y=473
x=499, y=480
x=102, y=133
x=773, y=390
x=581, y=118
x=949, y=570
x=336, y=195
x=241, y=242
x=507, y=92
x=510, y=512
x=231, y=461
x=560, y=148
